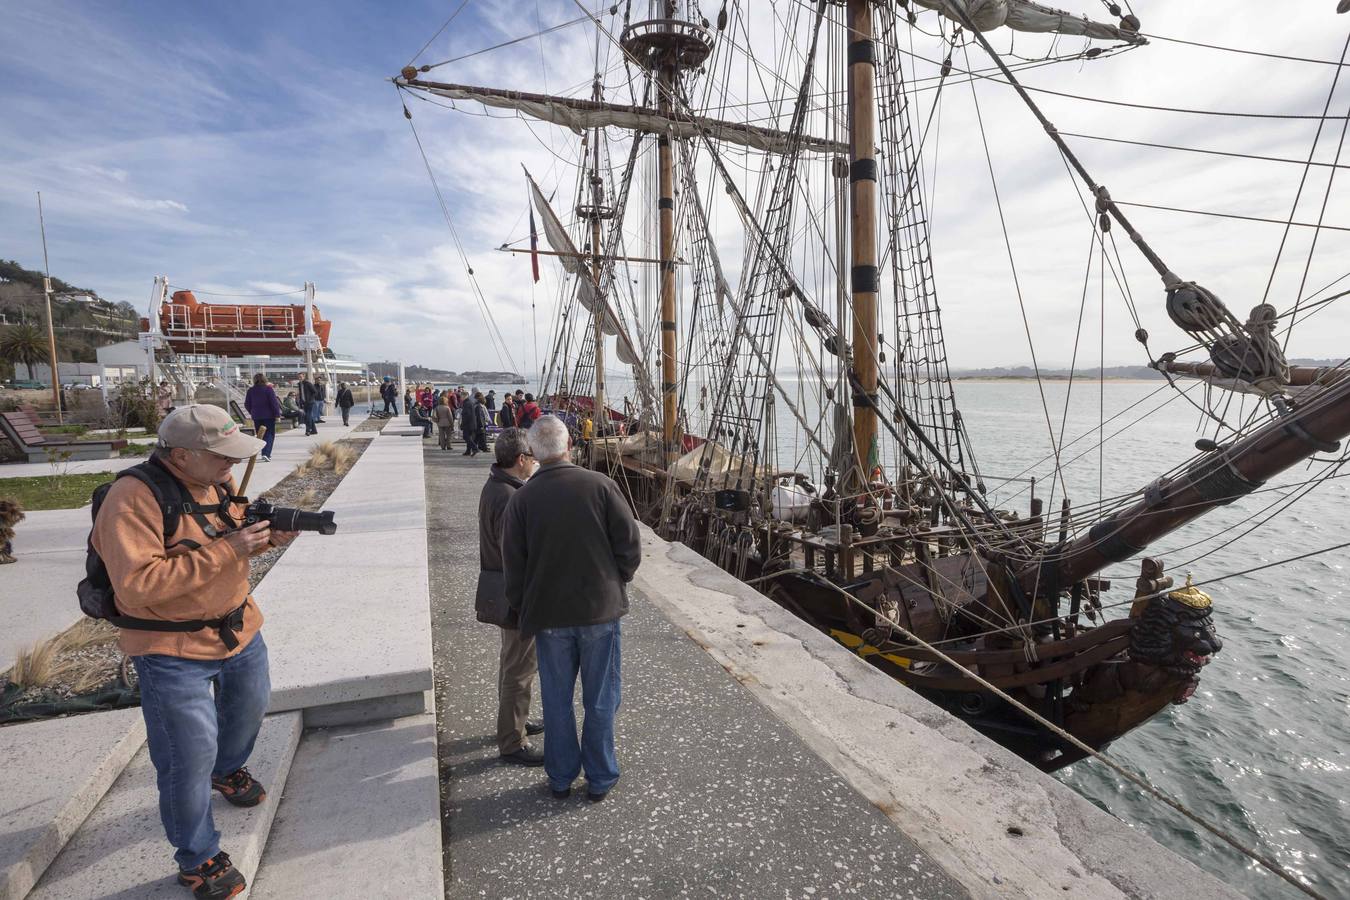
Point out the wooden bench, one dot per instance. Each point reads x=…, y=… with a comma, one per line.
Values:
x=21, y=429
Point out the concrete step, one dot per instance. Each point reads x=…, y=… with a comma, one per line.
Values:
x=52, y=776
x=120, y=850
x=360, y=818
x=401, y=427
x=348, y=621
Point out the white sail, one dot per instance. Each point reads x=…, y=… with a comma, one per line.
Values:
x=583, y=115
x=1023, y=15
x=574, y=263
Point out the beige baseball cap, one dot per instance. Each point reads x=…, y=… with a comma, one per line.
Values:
x=206, y=427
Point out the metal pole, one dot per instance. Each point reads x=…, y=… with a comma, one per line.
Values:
x=51, y=329
x=309, y=329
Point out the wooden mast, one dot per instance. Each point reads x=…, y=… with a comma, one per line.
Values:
x=667, y=78
x=864, y=275
x=598, y=414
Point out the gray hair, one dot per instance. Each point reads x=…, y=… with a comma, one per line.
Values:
x=511, y=444
x=548, y=438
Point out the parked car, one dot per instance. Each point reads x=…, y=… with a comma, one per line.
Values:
x=22, y=385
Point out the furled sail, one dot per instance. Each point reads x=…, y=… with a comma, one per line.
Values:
x=581, y=115
x=1023, y=15
x=574, y=262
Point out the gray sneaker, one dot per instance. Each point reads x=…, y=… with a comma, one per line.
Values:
x=525, y=756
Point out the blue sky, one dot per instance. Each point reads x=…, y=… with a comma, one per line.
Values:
x=236, y=147
x=249, y=147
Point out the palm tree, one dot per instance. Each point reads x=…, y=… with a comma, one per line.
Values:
x=23, y=343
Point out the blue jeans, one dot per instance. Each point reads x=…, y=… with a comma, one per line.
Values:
x=201, y=719
x=593, y=650
x=270, y=437
x=316, y=411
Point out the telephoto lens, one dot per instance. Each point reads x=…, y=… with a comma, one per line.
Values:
x=285, y=518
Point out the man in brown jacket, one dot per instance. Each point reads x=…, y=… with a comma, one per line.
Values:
x=516, y=664
x=204, y=692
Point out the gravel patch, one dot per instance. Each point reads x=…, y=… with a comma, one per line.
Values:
x=370, y=424
x=307, y=489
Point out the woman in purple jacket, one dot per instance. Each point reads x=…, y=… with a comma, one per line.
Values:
x=264, y=409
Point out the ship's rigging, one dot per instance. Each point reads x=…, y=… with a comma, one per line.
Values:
x=798, y=424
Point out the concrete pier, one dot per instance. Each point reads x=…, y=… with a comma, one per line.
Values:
x=759, y=759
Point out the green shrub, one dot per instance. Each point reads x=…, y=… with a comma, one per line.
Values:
x=132, y=405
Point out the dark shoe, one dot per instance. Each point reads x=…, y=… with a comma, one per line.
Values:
x=215, y=879
x=534, y=727
x=239, y=788
x=525, y=756
x=596, y=798
x=560, y=795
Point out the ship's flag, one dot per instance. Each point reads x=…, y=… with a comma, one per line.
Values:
x=534, y=247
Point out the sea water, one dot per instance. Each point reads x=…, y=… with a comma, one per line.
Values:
x=1263, y=747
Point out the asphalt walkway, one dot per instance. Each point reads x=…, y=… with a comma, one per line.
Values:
x=717, y=797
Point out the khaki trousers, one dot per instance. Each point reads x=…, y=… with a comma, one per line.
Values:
x=517, y=666
x=444, y=437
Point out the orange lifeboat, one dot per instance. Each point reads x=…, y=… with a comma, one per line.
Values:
x=234, y=329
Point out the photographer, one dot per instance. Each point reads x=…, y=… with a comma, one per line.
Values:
x=203, y=692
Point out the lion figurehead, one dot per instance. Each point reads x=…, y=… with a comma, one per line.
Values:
x=1176, y=632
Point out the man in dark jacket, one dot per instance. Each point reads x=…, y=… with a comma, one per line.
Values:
x=468, y=426
x=516, y=663
x=320, y=398
x=389, y=394
x=345, y=401
x=308, y=394
x=418, y=416
x=569, y=545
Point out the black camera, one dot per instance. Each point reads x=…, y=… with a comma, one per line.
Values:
x=284, y=518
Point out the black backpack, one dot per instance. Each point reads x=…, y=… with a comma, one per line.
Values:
x=95, y=590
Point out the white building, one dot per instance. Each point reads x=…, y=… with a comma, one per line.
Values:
x=279, y=369
x=71, y=373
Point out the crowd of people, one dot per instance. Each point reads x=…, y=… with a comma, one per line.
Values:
x=471, y=413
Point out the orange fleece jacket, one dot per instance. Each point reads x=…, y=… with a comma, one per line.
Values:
x=176, y=584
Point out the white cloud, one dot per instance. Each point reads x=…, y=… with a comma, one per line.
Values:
x=223, y=174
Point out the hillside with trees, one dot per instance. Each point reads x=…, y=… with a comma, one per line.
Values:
x=83, y=320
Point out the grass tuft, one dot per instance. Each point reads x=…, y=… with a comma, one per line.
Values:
x=330, y=456
x=55, y=660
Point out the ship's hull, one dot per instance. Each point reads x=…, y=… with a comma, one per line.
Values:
x=1089, y=683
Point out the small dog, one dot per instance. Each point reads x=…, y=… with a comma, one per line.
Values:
x=11, y=514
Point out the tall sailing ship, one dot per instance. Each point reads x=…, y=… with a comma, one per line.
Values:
x=874, y=522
